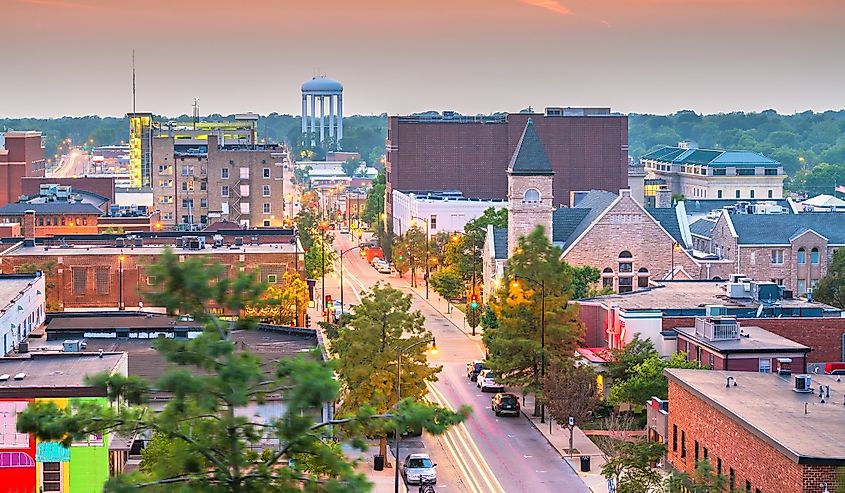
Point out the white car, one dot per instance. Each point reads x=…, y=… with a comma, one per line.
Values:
x=418, y=466
x=487, y=382
x=383, y=268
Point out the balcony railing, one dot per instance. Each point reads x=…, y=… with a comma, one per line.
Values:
x=717, y=329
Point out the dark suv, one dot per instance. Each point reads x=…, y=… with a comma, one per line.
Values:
x=473, y=369
x=505, y=404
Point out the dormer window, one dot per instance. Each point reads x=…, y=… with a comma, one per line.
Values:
x=531, y=196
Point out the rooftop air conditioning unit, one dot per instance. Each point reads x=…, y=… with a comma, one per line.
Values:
x=803, y=383
x=715, y=310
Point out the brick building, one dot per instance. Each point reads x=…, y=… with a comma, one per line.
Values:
x=21, y=154
x=90, y=272
x=101, y=186
x=587, y=149
x=756, y=430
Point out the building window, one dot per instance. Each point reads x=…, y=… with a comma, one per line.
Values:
x=674, y=438
x=718, y=465
x=607, y=278
x=244, y=189
x=802, y=286
x=203, y=186
x=80, y=275
x=102, y=280
x=771, y=172
x=531, y=196
x=814, y=256
x=272, y=278
x=625, y=264
x=706, y=455
x=265, y=190
x=266, y=223
x=712, y=360
x=266, y=208
x=224, y=173
x=51, y=476
x=224, y=191
x=265, y=172
x=737, y=194
x=683, y=444
x=432, y=221
x=765, y=365
x=188, y=203
x=777, y=257
x=626, y=284
x=731, y=479
x=770, y=194
x=718, y=194
x=752, y=194
x=814, y=283
x=203, y=203
x=695, y=451
x=244, y=207
x=802, y=256
x=244, y=173
x=642, y=278
x=9, y=436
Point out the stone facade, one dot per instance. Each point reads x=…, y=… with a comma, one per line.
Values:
x=627, y=227
x=525, y=215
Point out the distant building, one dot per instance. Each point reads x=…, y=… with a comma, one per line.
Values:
x=763, y=432
x=21, y=155
x=327, y=131
x=28, y=464
x=447, y=211
x=140, y=149
x=715, y=174
x=587, y=149
x=22, y=308
x=822, y=203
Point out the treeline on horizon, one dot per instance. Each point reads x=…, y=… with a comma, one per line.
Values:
x=811, y=146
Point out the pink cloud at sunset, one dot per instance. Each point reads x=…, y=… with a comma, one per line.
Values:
x=551, y=5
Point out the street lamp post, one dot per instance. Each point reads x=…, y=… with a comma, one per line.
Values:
x=323, y=226
x=342, y=305
x=542, y=285
x=396, y=436
x=427, y=241
x=120, y=304
x=456, y=238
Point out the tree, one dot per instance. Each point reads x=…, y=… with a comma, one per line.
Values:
x=314, y=262
x=624, y=360
x=301, y=176
x=570, y=391
x=704, y=480
x=350, y=166
x=48, y=269
x=488, y=318
x=632, y=468
x=415, y=243
x=831, y=288
x=515, y=344
x=473, y=315
x=584, y=281
x=205, y=435
x=279, y=304
x=646, y=379
x=375, y=200
x=448, y=284
x=366, y=347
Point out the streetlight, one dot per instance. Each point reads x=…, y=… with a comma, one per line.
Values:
x=341, y=273
x=396, y=436
x=542, y=285
x=324, y=225
x=456, y=238
x=427, y=240
x=676, y=247
x=120, y=305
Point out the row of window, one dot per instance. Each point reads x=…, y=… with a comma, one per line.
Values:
x=243, y=173
x=751, y=194
x=188, y=170
x=702, y=453
x=800, y=256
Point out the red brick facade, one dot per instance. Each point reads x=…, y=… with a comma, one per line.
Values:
x=692, y=420
x=23, y=156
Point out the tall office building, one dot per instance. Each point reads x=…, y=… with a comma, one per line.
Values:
x=140, y=149
x=587, y=149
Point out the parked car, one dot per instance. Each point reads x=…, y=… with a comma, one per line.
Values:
x=417, y=466
x=505, y=404
x=473, y=369
x=377, y=260
x=487, y=382
x=383, y=268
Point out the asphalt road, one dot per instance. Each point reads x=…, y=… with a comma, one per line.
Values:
x=71, y=165
x=485, y=454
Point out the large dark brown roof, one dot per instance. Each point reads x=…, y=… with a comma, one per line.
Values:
x=116, y=321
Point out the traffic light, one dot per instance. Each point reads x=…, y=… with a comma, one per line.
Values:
x=339, y=216
x=328, y=300
x=474, y=302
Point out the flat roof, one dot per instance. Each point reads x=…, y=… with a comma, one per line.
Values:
x=12, y=285
x=82, y=249
x=758, y=341
x=766, y=406
x=54, y=371
x=111, y=320
x=689, y=294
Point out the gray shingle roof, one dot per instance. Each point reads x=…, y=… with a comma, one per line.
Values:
x=706, y=205
x=702, y=227
x=51, y=208
x=777, y=229
x=500, y=242
x=595, y=202
x=530, y=157
x=668, y=218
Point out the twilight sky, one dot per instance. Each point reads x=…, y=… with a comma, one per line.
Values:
x=73, y=57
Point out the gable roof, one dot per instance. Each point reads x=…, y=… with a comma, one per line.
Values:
x=500, y=243
x=702, y=227
x=569, y=224
x=714, y=158
x=777, y=229
x=668, y=218
x=530, y=157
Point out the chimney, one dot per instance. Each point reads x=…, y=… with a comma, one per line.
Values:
x=663, y=199
x=29, y=228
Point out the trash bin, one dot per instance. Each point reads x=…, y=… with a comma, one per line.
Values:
x=585, y=463
x=378, y=462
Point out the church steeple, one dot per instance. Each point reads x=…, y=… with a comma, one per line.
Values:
x=530, y=156
x=529, y=187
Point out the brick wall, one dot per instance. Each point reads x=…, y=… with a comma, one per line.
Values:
x=751, y=458
x=99, y=185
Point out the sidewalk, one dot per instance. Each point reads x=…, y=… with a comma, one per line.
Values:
x=382, y=480
x=440, y=304
x=558, y=438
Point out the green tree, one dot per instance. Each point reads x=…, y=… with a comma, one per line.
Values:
x=206, y=437
x=646, y=380
x=350, y=166
x=374, y=206
x=314, y=262
x=515, y=344
x=704, y=480
x=584, y=281
x=632, y=468
x=366, y=347
x=621, y=367
x=831, y=288
x=448, y=284
x=488, y=318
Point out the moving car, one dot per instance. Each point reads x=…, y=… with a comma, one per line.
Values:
x=505, y=404
x=417, y=466
x=473, y=369
x=487, y=381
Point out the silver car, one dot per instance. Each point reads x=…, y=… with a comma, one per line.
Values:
x=418, y=466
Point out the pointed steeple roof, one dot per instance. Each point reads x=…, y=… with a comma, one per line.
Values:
x=530, y=157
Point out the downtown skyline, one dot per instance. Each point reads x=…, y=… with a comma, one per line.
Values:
x=475, y=56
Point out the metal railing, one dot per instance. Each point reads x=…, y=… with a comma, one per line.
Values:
x=717, y=329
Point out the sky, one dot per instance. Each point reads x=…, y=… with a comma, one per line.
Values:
x=73, y=57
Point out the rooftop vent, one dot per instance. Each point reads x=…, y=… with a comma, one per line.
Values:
x=20, y=376
x=803, y=384
x=4, y=377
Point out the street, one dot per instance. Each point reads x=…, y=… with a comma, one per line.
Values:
x=72, y=164
x=485, y=453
